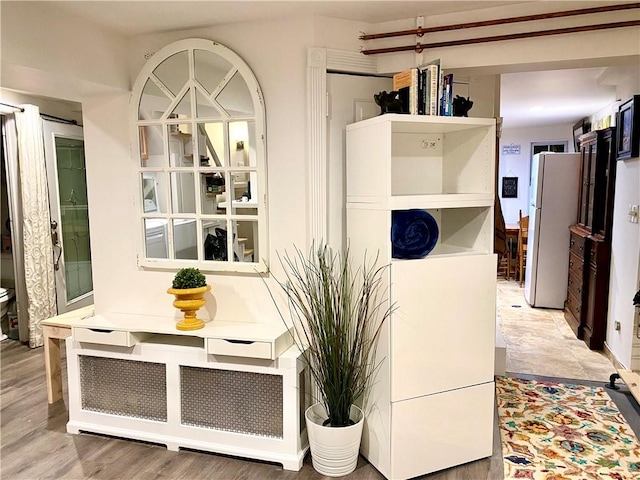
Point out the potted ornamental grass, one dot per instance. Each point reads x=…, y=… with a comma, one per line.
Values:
x=189, y=286
x=338, y=313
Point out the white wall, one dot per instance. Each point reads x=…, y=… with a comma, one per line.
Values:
x=49, y=106
x=625, y=262
x=337, y=33
x=519, y=165
x=625, y=257
x=52, y=53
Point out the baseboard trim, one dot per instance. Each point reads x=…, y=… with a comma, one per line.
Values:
x=612, y=358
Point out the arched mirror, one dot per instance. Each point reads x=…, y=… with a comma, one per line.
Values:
x=200, y=131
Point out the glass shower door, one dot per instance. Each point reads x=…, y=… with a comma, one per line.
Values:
x=64, y=151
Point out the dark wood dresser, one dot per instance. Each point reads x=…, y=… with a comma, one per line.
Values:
x=586, y=307
x=573, y=307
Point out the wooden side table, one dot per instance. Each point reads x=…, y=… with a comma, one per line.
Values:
x=54, y=329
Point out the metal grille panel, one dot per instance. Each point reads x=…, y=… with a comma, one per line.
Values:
x=242, y=402
x=124, y=387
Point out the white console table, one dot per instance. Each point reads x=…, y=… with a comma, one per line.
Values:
x=231, y=388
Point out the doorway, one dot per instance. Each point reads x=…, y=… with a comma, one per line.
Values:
x=350, y=100
x=69, y=211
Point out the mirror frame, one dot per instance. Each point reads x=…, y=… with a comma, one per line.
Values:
x=139, y=151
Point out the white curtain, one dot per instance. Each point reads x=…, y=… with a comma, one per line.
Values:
x=10, y=138
x=38, y=251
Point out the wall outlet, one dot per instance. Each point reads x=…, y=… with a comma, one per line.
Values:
x=617, y=326
x=633, y=213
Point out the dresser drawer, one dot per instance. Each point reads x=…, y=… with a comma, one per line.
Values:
x=575, y=286
x=573, y=322
x=118, y=338
x=599, y=253
x=240, y=348
x=577, y=244
x=573, y=305
x=576, y=265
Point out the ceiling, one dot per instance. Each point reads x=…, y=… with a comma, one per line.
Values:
x=527, y=99
x=553, y=97
x=143, y=17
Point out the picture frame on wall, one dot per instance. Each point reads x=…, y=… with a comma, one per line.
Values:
x=509, y=187
x=628, y=129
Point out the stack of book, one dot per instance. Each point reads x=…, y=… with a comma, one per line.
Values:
x=425, y=90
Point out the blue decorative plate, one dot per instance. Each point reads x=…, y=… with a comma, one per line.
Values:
x=414, y=233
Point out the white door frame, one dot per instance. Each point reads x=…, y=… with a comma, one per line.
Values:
x=52, y=129
x=319, y=60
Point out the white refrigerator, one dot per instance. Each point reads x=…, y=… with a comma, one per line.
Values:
x=553, y=208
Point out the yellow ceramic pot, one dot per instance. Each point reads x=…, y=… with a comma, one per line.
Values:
x=189, y=301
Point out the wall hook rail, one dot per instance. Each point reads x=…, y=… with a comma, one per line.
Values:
x=419, y=47
x=420, y=31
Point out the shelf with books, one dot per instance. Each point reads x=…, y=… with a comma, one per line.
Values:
x=425, y=90
x=446, y=101
x=406, y=83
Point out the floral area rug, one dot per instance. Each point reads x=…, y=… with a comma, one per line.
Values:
x=556, y=431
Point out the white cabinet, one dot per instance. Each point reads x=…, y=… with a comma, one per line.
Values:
x=436, y=333
x=432, y=402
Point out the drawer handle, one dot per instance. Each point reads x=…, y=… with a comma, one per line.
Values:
x=241, y=342
x=572, y=242
x=571, y=263
x=581, y=247
x=100, y=330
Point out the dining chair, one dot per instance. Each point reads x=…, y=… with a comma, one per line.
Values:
x=521, y=256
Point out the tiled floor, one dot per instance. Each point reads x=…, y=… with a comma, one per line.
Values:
x=540, y=342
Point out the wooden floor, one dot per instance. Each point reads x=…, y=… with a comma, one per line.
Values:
x=34, y=443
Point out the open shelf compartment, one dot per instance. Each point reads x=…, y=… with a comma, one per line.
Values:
x=462, y=231
x=404, y=156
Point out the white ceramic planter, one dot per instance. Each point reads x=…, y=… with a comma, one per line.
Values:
x=334, y=450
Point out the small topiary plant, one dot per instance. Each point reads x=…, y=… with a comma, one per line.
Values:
x=189, y=278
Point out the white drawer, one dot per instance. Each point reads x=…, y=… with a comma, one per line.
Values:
x=240, y=348
x=105, y=337
x=424, y=440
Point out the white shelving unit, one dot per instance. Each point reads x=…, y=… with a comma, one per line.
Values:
x=433, y=400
